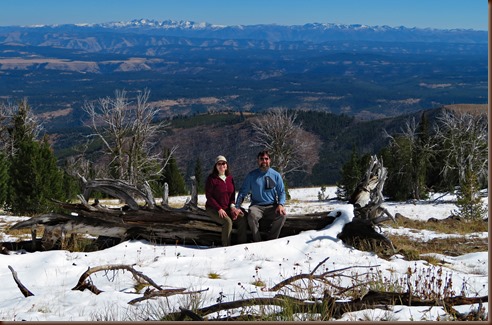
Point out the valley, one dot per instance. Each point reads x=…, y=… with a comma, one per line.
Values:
x=369, y=79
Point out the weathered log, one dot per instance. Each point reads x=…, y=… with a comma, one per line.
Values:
x=119, y=189
x=163, y=224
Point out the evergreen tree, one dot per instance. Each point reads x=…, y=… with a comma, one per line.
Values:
x=421, y=155
x=468, y=199
x=172, y=176
x=407, y=158
x=35, y=178
x=4, y=179
x=71, y=186
x=199, y=177
x=398, y=160
x=24, y=196
x=49, y=175
x=351, y=174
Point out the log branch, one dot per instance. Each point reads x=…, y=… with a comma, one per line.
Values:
x=323, y=277
x=82, y=283
x=22, y=288
x=118, y=189
x=149, y=294
x=326, y=306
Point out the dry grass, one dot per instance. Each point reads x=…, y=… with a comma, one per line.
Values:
x=213, y=275
x=469, y=108
x=413, y=248
x=22, y=234
x=447, y=226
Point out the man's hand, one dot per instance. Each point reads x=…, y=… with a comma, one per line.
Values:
x=236, y=213
x=281, y=210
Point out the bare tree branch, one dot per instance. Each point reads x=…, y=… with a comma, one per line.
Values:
x=278, y=132
x=464, y=136
x=22, y=288
x=82, y=283
x=128, y=133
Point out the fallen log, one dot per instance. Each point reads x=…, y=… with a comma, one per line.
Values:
x=162, y=224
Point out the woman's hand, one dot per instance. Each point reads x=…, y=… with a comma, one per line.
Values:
x=222, y=213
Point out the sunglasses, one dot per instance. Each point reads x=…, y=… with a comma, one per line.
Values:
x=221, y=163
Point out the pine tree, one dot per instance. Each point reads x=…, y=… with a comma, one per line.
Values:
x=4, y=179
x=468, y=199
x=421, y=156
x=172, y=176
x=407, y=158
x=24, y=196
x=70, y=183
x=199, y=177
x=398, y=159
x=49, y=174
x=35, y=178
x=351, y=174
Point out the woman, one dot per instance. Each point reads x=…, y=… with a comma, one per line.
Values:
x=220, y=193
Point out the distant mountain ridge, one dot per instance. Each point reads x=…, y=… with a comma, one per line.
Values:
x=311, y=32
x=366, y=71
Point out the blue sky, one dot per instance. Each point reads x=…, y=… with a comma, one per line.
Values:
x=412, y=13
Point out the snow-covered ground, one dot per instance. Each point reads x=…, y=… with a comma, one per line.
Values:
x=226, y=273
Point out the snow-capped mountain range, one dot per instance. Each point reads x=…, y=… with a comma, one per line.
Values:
x=312, y=32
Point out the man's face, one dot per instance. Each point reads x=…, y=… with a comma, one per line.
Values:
x=264, y=162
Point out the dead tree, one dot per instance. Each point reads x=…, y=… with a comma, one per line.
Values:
x=367, y=200
x=368, y=195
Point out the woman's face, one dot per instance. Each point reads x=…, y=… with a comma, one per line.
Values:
x=221, y=166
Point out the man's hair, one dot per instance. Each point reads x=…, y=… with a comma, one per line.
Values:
x=263, y=153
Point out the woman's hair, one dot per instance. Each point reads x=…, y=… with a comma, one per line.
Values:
x=215, y=172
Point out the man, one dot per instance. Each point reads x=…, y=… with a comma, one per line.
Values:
x=267, y=198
